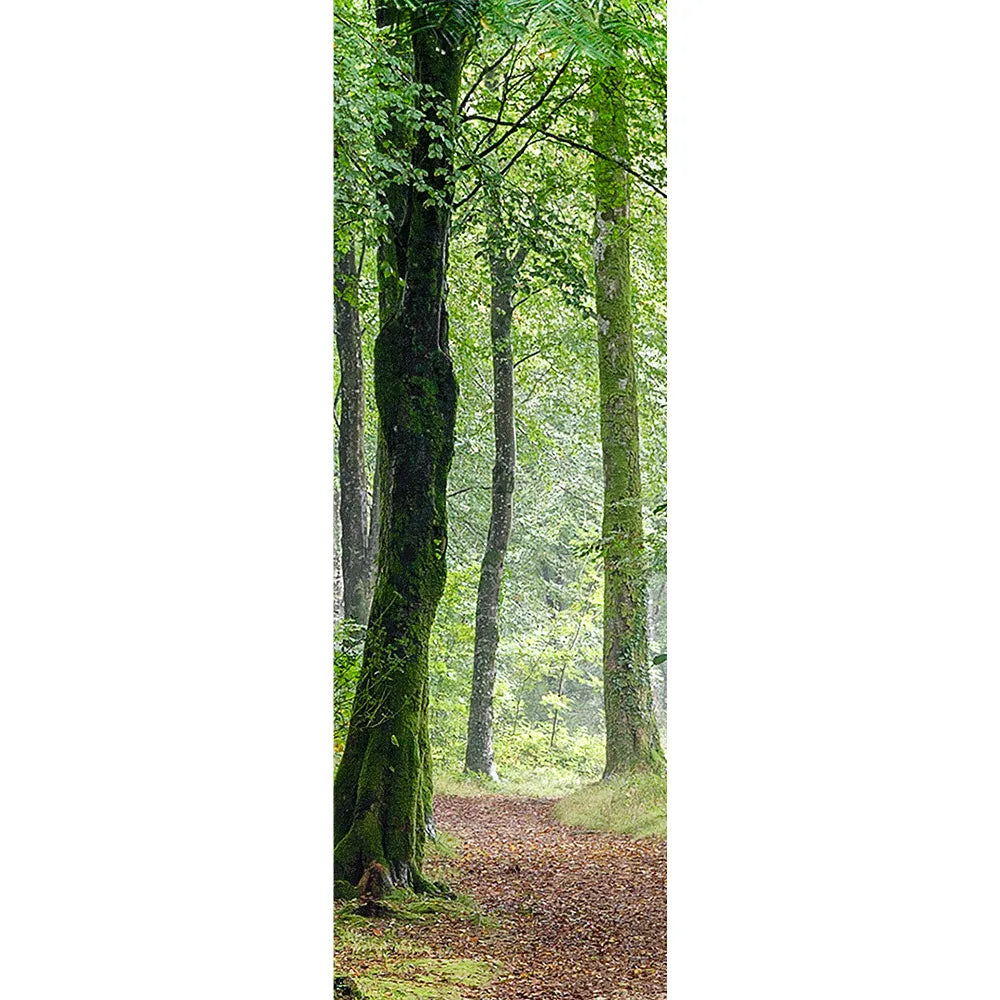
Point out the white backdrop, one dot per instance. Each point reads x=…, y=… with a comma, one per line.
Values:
x=834, y=418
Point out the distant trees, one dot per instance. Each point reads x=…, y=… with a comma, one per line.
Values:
x=382, y=791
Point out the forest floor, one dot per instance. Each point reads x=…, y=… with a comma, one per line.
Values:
x=561, y=913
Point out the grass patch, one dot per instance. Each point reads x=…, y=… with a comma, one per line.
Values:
x=405, y=907
x=427, y=979
x=537, y=782
x=635, y=805
x=388, y=964
x=444, y=845
x=355, y=937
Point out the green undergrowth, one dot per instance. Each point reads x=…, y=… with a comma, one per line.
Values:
x=426, y=979
x=440, y=854
x=404, y=906
x=444, y=845
x=388, y=963
x=539, y=782
x=635, y=806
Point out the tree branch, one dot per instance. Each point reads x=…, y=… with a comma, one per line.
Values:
x=525, y=358
x=482, y=75
x=567, y=141
x=465, y=489
x=513, y=126
x=531, y=138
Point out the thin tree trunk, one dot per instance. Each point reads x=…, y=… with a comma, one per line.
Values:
x=382, y=791
x=375, y=514
x=338, y=577
x=479, y=744
x=555, y=708
x=657, y=616
x=633, y=741
x=351, y=440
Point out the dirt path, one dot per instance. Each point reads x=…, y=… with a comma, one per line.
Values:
x=580, y=915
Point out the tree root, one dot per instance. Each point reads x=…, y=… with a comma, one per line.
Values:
x=431, y=888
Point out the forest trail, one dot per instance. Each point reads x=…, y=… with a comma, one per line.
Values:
x=576, y=915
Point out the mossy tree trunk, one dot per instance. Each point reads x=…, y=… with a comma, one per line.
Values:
x=504, y=269
x=382, y=790
x=354, y=532
x=633, y=741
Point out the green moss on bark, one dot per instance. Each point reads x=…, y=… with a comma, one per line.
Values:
x=383, y=787
x=633, y=742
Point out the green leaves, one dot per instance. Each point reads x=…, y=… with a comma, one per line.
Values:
x=556, y=701
x=593, y=30
x=529, y=193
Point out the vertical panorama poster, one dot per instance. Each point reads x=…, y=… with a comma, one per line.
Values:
x=500, y=499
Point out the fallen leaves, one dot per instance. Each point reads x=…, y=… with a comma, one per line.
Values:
x=563, y=916
x=579, y=916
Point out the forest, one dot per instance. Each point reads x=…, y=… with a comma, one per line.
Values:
x=500, y=499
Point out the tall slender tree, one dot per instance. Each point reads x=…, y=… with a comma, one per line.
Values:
x=354, y=498
x=633, y=741
x=355, y=218
x=504, y=268
x=382, y=791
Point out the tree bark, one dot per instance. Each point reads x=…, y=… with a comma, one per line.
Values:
x=633, y=741
x=375, y=514
x=382, y=790
x=555, y=708
x=479, y=744
x=351, y=440
x=338, y=571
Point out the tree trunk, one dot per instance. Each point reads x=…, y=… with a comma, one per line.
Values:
x=351, y=441
x=657, y=616
x=375, y=514
x=555, y=708
x=382, y=791
x=479, y=745
x=633, y=741
x=338, y=574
